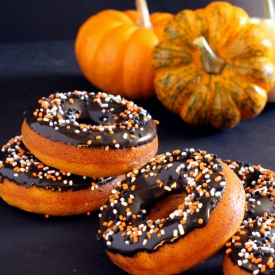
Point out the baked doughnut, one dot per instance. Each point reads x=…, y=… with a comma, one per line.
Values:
x=28, y=184
x=90, y=134
x=252, y=248
x=172, y=213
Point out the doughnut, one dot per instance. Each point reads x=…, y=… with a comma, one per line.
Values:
x=251, y=250
x=172, y=213
x=30, y=185
x=90, y=134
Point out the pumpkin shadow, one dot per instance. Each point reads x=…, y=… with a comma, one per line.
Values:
x=172, y=123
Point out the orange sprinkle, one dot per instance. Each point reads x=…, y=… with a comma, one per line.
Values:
x=263, y=268
x=229, y=250
x=156, y=122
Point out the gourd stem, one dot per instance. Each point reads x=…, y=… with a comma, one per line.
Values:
x=269, y=11
x=211, y=62
x=144, y=16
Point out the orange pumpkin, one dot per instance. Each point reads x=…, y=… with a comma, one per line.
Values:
x=213, y=66
x=113, y=49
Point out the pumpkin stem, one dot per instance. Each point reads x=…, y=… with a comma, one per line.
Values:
x=144, y=16
x=269, y=11
x=212, y=63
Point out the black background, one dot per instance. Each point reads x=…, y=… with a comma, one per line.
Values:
x=33, y=20
x=37, y=59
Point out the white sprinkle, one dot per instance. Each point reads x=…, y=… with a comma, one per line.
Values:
x=251, y=169
x=205, y=170
x=144, y=242
x=167, y=188
x=240, y=263
x=51, y=172
x=172, y=216
x=175, y=233
x=181, y=229
x=71, y=182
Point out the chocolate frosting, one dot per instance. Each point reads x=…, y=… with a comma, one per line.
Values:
x=124, y=227
x=91, y=120
x=18, y=165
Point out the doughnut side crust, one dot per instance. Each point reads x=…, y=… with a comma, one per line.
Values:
x=55, y=203
x=95, y=162
x=198, y=244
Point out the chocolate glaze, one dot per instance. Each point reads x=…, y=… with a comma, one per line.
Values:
x=164, y=175
x=259, y=213
x=11, y=158
x=130, y=125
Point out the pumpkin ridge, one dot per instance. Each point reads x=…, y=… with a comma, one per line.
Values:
x=178, y=93
x=136, y=50
x=112, y=64
x=163, y=54
x=194, y=116
x=224, y=118
x=250, y=105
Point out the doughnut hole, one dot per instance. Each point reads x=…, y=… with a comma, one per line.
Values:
x=163, y=208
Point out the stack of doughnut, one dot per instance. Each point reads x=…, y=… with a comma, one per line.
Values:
x=73, y=149
x=172, y=213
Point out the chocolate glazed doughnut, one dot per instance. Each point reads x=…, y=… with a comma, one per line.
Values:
x=91, y=134
x=252, y=249
x=30, y=185
x=172, y=213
